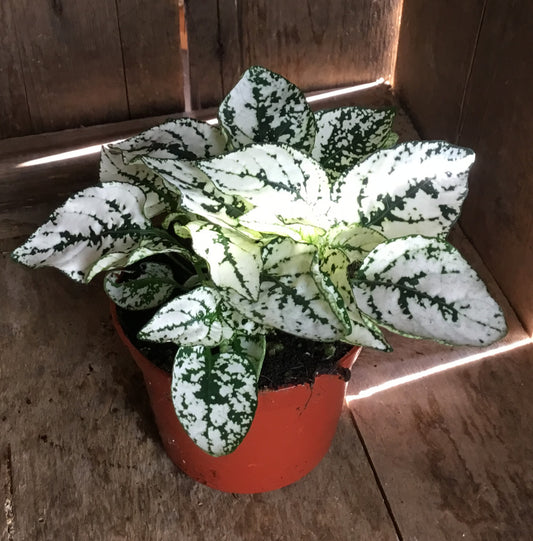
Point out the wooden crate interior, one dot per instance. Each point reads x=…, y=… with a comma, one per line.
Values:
x=435, y=442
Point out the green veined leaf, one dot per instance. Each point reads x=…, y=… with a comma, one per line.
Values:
x=147, y=287
x=91, y=224
x=191, y=319
x=414, y=188
x=266, y=108
x=354, y=240
x=330, y=272
x=198, y=194
x=215, y=397
x=234, y=260
x=250, y=346
x=274, y=177
x=423, y=288
x=158, y=198
x=182, y=138
x=289, y=298
x=347, y=135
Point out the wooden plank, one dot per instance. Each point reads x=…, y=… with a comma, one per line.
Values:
x=152, y=57
x=321, y=44
x=435, y=50
x=88, y=465
x=498, y=217
x=14, y=114
x=454, y=449
x=70, y=52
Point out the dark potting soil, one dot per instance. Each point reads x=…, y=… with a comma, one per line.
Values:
x=289, y=360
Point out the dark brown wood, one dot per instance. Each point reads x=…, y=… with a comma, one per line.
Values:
x=452, y=449
x=149, y=33
x=436, y=46
x=498, y=214
x=14, y=114
x=72, y=62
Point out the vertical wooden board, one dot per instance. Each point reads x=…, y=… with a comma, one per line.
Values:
x=204, y=53
x=436, y=45
x=14, y=114
x=497, y=123
x=70, y=52
x=321, y=44
x=149, y=33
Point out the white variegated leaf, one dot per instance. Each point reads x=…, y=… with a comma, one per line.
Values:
x=354, y=240
x=198, y=194
x=147, y=287
x=191, y=319
x=347, y=135
x=250, y=346
x=158, y=197
x=91, y=224
x=278, y=178
x=215, y=397
x=266, y=108
x=182, y=138
x=289, y=298
x=330, y=272
x=234, y=260
x=422, y=287
x=414, y=188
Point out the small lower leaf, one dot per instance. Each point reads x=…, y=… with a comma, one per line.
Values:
x=215, y=397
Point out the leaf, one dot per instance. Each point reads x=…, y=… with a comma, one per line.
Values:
x=347, y=135
x=414, y=188
x=198, y=194
x=330, y=273
x=91, y=224
x=182, y=138
x=289, y=298
x=354, y=240
x=158, y=197
x=251, y=346
x=190, y=319
x=423, y=288
x=148, y=287
x=278, y=178
x=215, y=397
x=234, y=260
x=266, y=108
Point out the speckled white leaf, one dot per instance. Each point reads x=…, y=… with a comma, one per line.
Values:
x=278, y=178
x=198, y=194
x=148, y=287
x=251, y=346
x=191, y=319
x=414, y=188
x=289, y=298
x=234, y=260
x=347, y=135
x=422, y=287
x=266, y=108
x=354, y=240
x=215, y=397
x=91, y=224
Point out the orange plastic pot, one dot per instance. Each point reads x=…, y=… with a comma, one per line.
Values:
x=290, y=434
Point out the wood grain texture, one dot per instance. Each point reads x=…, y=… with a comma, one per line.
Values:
x=14, y=113
x=498, y=214
x=149, y=33
x=453, y=449
x=87, y=462
x=436, y=45
x=72, y=63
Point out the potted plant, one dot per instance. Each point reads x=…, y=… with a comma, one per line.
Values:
x=228, y=240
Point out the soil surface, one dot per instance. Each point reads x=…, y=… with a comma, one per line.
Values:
x=289, y=360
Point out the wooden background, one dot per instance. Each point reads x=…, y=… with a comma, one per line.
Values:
x=462, y=69
x=464, y=72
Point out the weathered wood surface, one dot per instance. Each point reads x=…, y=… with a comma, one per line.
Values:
x=454, y=450
x=87, y=463
x=498, y=215
x=318, y=44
